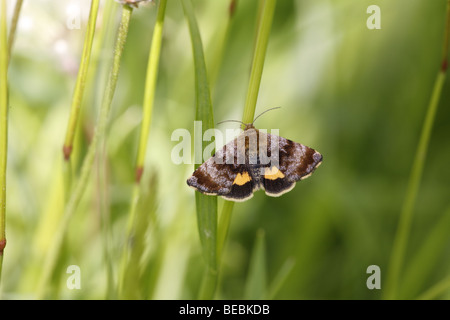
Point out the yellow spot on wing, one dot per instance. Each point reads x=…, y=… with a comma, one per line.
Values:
x=273, y=173
x=242, y=179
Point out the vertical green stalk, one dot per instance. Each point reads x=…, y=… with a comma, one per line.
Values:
x=99, y=64
x=150, y=87
x=12, y=30
x=127, y=246
x=96, y=77
x=224, y=226
x=99, y=133
x=262, y=39
x=206, y=205
x=3, y=127
x=402, y=235
x=149, y=97
x=258, y=60
x=81, y=81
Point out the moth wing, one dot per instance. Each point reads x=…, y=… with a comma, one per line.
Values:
x=224, y=175
x=295, y=162
x=216, y=175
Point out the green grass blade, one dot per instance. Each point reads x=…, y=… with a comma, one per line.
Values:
x=281, y=278
x=264, y=27
x=81, y=80
x=402, y=235
x=13, y=28
x=256, y=286
x=262, y=38
x=3, y=127
x=150, y=87
x=224, y=226
x=131, y=286
x=149, y=97
x=75, y=197
x=206, y=206
x=406, y=214
x=426, y=258
x=437, y=290
x=96, y=77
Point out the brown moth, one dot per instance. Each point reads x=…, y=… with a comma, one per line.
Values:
x=255, y=160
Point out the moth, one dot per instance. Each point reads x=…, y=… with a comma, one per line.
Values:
x=255, y=160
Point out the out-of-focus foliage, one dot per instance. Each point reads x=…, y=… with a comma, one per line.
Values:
x=356, y=95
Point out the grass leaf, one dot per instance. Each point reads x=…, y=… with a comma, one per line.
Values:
x=264, y=24
x=81, y=80
x=256, y=286
x=206, y=206
x=3, y=126
x=426, y=258
x=437, y=290
x=131, y=251
x=281, y=278
x=262, y=39
x=406, y=214
x=80, y=186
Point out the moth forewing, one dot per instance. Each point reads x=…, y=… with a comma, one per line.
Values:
x=230, y=147
x=227, y=154
x=241, y=148
x=262, y=148
x=269, y=152
x=274, y=149
x=251, y=137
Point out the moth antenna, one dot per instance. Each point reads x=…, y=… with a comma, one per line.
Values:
x=245, y=124
x=264, y=112
x=231, y=121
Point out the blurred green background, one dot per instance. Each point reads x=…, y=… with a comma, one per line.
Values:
x=358, y=96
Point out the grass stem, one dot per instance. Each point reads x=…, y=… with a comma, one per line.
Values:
x=3, y=127
x=206, y=206
x=149, y=97
x=406, y=214
x=150, y=87
x=262, y=38
x=54, y=252
x=81, y=81
x=13, y=27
